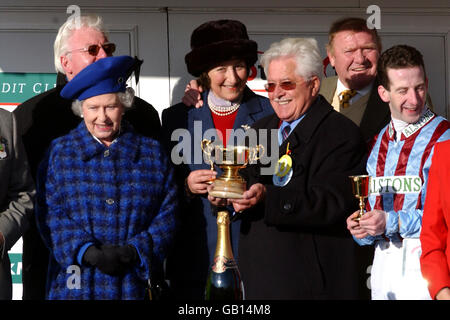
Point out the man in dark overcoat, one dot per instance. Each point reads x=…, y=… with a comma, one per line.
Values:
x=293, y=242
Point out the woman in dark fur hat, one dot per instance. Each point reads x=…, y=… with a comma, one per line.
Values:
x=221, y=57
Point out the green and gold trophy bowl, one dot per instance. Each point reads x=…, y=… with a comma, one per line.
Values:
x=230, y=184
x=360, y=186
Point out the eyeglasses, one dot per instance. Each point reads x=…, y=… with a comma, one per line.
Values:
x=93, y=49
x=285, y=85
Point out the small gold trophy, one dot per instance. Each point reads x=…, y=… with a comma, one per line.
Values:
x=360, y=186
x=230, y=184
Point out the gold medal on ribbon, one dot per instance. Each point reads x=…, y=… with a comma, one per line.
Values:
x=283, y=170
x=284, y=164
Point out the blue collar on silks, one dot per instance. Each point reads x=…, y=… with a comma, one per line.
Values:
x=107, y=75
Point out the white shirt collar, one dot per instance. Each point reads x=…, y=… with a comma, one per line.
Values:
x=114, y=141
x=340, y=87
x=400, y=125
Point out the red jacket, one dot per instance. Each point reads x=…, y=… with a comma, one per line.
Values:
x=435, y=239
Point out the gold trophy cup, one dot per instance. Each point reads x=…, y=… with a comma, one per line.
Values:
x=230, y=184
x=360, y=186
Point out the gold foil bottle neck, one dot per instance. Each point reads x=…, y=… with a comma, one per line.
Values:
x=224, y=253
x=223, y=218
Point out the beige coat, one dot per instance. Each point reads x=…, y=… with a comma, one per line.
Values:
x=376, y=114
x=16, y=195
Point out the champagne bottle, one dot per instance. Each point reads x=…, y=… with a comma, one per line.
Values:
x=224, y=281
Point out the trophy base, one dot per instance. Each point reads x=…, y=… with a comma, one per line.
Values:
x=228, y=189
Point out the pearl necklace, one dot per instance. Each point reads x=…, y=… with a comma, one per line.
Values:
x=220, y=110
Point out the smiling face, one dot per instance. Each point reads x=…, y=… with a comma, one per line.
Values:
x=289, y=105
x=228, y=80
x=407, y=93
x=102, y=115
x=354, y=55
x=76, y=61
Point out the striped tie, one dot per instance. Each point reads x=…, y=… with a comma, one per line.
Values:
x=344, y=98
x=285, y=132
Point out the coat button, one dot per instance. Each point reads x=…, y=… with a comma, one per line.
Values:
x=106, y=153
x=287, y=206
x=110, y=201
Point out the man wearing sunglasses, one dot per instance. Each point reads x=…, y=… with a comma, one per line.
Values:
x=48, y=116
x=292, y=233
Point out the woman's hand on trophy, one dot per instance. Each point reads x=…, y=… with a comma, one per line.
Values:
x=199, y=180
x=251, y=197
x=192, y=94
x=354, y=227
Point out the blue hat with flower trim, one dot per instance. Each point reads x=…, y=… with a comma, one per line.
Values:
x=107, y=75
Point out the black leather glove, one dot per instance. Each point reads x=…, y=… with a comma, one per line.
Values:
x=111, y=260
x=128, y=255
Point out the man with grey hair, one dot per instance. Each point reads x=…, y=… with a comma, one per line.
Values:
x=48, y=116
x=293, y=243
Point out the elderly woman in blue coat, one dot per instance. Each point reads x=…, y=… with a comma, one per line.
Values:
x=106, y=195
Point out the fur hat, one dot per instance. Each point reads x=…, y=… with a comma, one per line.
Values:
x=217, y=41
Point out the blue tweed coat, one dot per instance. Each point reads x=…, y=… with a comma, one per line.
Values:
x=116, y=195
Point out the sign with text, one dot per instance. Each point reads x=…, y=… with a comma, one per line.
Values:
x=16, y=88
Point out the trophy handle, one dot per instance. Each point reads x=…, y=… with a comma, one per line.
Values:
x=257, y=152
x=207, y=149
x=205, y=145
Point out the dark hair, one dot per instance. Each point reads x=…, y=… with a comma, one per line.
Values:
x=204, y=81
x=351, y=24
x=398, y=57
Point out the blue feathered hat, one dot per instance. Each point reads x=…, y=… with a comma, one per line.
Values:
x=107, y=75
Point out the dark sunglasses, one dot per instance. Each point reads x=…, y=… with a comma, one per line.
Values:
x=93, y=49
x=285, y=85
